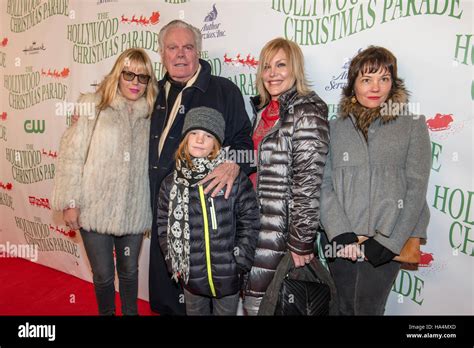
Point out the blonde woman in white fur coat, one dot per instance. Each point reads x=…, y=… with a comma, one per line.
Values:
x=101, y=183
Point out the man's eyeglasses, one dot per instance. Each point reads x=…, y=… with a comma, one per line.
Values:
x=129, y=76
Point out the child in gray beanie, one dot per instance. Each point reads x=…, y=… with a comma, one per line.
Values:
x=207, y=119
x=208, y=243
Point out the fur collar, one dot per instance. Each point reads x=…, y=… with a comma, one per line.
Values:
x=365, y=117
x=139, y=108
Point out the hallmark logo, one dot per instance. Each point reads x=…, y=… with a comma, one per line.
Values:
x=37, y=331
x=34, y=48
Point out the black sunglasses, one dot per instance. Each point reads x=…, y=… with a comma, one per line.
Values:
x=129, y=76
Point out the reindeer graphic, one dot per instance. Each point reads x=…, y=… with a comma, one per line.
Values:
x=226, y=59
x=211, y=15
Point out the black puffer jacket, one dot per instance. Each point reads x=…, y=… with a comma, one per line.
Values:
x=232, y=236
x=291, y=160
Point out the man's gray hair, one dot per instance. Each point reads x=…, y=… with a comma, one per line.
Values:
x=177, y=23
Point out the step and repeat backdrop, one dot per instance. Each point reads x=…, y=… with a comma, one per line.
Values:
x=53, y=50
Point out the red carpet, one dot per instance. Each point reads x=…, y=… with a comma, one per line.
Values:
x=27, y=288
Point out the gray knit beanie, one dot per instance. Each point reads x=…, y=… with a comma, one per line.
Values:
x=207, y=119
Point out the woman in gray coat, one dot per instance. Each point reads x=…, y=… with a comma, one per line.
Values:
x=375, y=182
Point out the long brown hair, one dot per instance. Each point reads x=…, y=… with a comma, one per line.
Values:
x=369, y=61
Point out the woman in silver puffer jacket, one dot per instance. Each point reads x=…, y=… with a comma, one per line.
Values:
x=290, y=133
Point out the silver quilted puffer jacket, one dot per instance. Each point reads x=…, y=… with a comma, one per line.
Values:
x=291, y=160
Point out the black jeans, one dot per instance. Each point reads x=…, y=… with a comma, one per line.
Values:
x=363, y=289
x=201, y=305
x=99, y=248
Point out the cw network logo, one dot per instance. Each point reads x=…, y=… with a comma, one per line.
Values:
x=34, y=126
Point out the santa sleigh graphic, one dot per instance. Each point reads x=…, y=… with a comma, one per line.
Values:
x=440, y=122
x=425, y=259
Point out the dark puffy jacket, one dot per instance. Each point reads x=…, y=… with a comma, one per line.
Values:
x=291, y=160
x=212, y=91
x=232, y=236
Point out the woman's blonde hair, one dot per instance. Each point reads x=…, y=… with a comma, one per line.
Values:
x=109, y=86
x=295, y=62
x=183, y=155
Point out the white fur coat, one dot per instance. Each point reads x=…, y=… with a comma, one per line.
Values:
x=112, y=189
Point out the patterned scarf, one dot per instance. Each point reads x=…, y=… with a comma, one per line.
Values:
x=178, y=217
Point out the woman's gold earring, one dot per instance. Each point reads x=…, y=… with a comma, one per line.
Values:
x=353, y=100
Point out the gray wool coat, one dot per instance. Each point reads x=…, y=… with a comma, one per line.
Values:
x=377, y=188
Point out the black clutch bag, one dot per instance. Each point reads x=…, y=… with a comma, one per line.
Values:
x=306, y=295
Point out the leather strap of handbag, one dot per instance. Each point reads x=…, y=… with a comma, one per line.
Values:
x=410, y=252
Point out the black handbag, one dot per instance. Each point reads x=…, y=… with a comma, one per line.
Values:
x=307, y=295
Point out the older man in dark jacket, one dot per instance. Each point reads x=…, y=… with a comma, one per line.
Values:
x=188, y=83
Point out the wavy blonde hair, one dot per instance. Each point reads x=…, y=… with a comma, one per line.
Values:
x=295, y=62
x=109, y=86
x=183, y=155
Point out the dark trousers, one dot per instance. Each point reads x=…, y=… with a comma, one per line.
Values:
x=363, y=289
x=166, y=296
x=201, y=305
x=99, y=248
